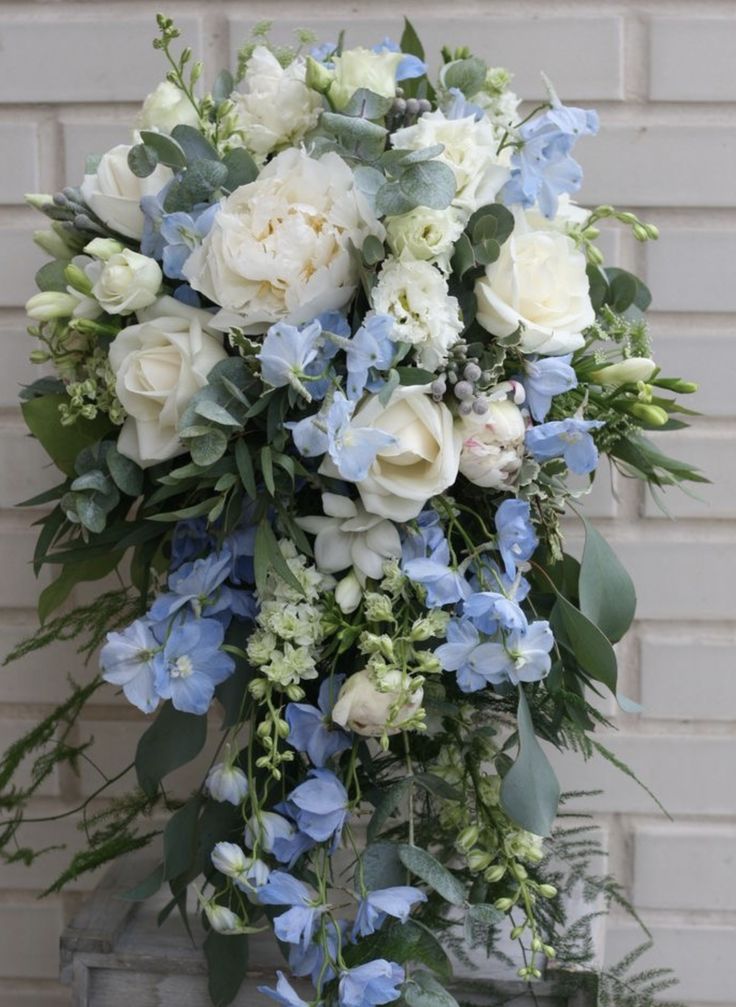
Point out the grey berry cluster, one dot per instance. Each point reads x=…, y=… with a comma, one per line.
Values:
x=467, y=380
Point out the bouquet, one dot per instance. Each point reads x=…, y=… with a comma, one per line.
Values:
x=329, y=351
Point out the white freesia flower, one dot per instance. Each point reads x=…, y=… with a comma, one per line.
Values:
x=166, y=107
x=158, y=366
x=114, y=193
x=49, y=304
x=364, y=708
x=275, y=108
x=356, y=68
x=625, y=372
x=226, y=782
x=281, y=247
x=425, y=234
x=493, y=443
x=469, y=149
x=127, y=281
x=416, y=296
x=538, y=282
x=422, y=462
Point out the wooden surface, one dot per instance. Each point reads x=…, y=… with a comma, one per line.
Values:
x=114, y=954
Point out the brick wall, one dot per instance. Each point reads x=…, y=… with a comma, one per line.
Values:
x=662, y=76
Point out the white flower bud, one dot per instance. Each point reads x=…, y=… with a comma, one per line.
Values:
x=50, y=304
x=127, y=281
x=348, y=593
x=493, y=445
x=103, y=248
x=53, y=244
x=626, y=372
x=220, y=918
x=227, y=783
x=362, y=708
x=229, y=859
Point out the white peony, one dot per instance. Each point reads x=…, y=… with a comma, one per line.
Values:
x=114, y=193
x=158, y=366
x=416, y=296
x=538, y=282
x=276, y=108
x=126, y=281
x=422, y=462
x=166, y=107
x=281, y=248
x=425, y=234
x=470, y=150
x=371, y=712
x=357, y=68
x=493, y=444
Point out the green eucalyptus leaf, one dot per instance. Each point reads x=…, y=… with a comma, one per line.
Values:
x=467, y=75
x=90, y=514
x=367, y=104
x=223, y=87
x=433, y=873
x=194, y=145
x=423, y=990
x=62, y=443
x=202, y=179
x=421, y=155
x=94, y=480
x=172, y=740
x=592, y=649
x=373, y=250
x=390, y=200
x=208, y=448
x=389, y=800
x=463, y=259
x=487, y=251
x=530, y=792
x=51, y=277
x=142, y=160
x=216, y=413
x=415, y=376
x=607, y=594
x=428, y=183
x=167, y=150
x=360, y=137
x=381, y=866
x=128, y=476
x=245, y=468
x=491, y=221
x=241, y=168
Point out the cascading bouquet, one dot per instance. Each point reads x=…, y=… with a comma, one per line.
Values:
x=326, y=344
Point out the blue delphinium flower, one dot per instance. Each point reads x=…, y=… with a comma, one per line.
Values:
x=127, y=660
x=182, y=233
x=456, y=106
x=309, y=435
x=569, y=439
x=190, y=539
x=352, y=449
x=371, y=984
x=376, y=906
x=284, y=993
x=425, y=538
x=311, y=729
x=298, y=923
x=523, y=656
x=320, y=806
x=490, y=610
x=486, y=574
x=409, y=67
x=543, y=378
x=311, y=962
x=463, y=640
x=443, y=584
x=516, y=538
x=196, y=586
x=286, y=352
x=191, y=664
x=371, y=348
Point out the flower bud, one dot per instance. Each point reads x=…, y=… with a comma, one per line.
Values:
x=50, y=304
x=295, y=693
x=517, y=932
x=625, y=372
x=39, y=200
x=547, y=891
x=258, y=688
x=478, y=860
x=495, y=873
x=503, y=905
x=103, y=248
x=229, y=859
x=318, y=76
x=226, y=782
x=52, y=243
x=78, y=279
x=220, y=918
x=467, y=838
x=677, y=385
x=654, y=415
x=519, y=872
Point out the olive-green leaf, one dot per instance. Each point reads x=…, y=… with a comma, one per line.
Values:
x=431, y=871
x=607, y=594
x=530, y=792
x=172, y=740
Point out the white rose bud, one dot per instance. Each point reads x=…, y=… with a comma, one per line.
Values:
x=360, y=67
x=227, y=783
x=362, y=708
x=626, y=372
x=166, y=107
x=127, y=281
x=114, y=193
x=493, y=445
x=50, y=304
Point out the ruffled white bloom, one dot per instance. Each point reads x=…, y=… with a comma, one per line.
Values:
x=469, y=149
x=538, y=282
x=158, y=366
x=281, y=247
x=493, y=443
x=364, y=708
x=425, y=234
x=356, y=68
x=275, y=108
x=625, y=372
x=126, y=281
x=416, y=296
x=114, y=193
x=166, y=107
x=226, y=782
x=422, y=462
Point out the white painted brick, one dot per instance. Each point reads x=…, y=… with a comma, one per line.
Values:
x=683, y=672
x=17, y=370
x=21, y=259
x=691, y=59
x=81, y=58
x=599, y=501
x=82, y=139
x=19, y=588
x=709, y=360
x=34, y=993
x=25, y=466
x=691, y=269
x=716, y=459
x=581, y=55
x=20, y=169
x=685, y=866
x=29, y=947
x=652, y=165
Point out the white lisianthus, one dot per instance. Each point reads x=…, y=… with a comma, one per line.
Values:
x=226, y=782
x=127, y=281
x=422, y=462
x=114, y=193
x=416, y=296
x=469, y=149
x=281, y=248
x=493, y=443
x=275, y=108
x=625, y=372
x=425, y=234
x=158, y=366
x=369, y=711
x=538, y=282
x=357, y=68
x=166, y=107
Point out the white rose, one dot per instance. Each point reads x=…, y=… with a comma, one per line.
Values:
x=127, y=281
x=416, y=296
x=363, y=708
x=469, y=149
x=276, y=108
x=422, y=462
x=114, y=193
x=425, y=234
x=493, y=445
x=357, y=68
x=538, y=282
x=281, y=247
x=169, y=307
x=166, y=107
x=158, y=366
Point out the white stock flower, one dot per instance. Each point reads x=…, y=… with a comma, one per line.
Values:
x=357, y=68
x=469, y=149
x=158, y=366
x=281, y=247
x=539, y=282
x=416, y=296
x=166, y=107
x=275, y=108
x=421, y=463
x=114, y=193
x=425, y=234
x=364, y=708
x=127, y=281
x=493, y=444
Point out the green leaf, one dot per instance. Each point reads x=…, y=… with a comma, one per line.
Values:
x=58, y=590
x=480, y=223
x=410, y=41
x=429, y=183
x=51, y=276
x=360, y=137
x=267, y=469
x=227, y=965
x=592, y=649
x=146, y=888
x=223, y=87
x=598, y=286
x=387, y=803
x=607, y=594
x=415, y=376
x=62, y=443
x=382, y=867
x=391, y=202
x=208, y=448
x=245, y=468
x=367, y=104
x=487, y=251
x=530, y=793
x=127, y=476
x=401, y=942
x=241, y=168
x=423, y=990
x=431, y=871
x=142, y=160
x=167, y=149
x=216, y=413
x=468, y=75
x=194, y=145
x=463, y=259
x=180, y=839
x=439, y=787
x=203, y=179
x=373, y=251
x=91, y=514
x=172, y=740
x=268, y=556
x=95, y=480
